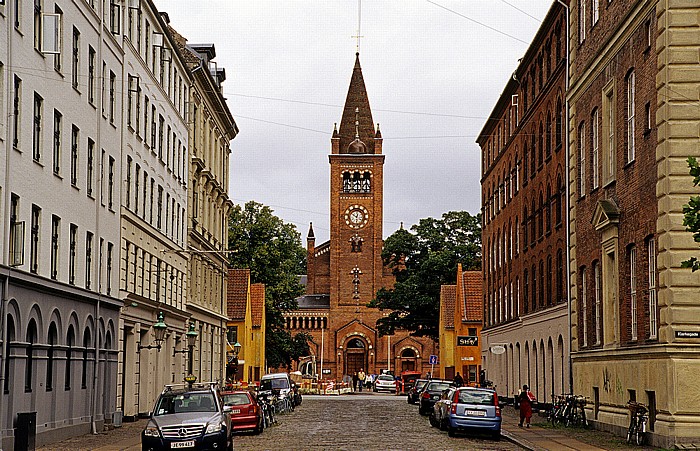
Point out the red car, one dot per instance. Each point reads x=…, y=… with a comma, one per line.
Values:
x=246, y=414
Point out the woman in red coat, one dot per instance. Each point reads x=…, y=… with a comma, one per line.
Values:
x=525, y=399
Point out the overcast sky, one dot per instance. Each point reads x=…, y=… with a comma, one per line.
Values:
x=433, y=71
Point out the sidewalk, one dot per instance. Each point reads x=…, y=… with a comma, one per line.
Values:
x=536, y=438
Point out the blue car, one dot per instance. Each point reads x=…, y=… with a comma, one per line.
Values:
x=474, y=409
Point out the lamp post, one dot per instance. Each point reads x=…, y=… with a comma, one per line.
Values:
x=191, y=340
x=159, y=329
x=236, y=351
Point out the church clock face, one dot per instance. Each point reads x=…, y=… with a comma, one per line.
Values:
x=356, y=216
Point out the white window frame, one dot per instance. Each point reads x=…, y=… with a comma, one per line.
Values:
x=653, y=301
x=581, y=21
x=594, y=12
x=631, y=106
x=582, y=159
x=598, y=303
x=595, y=122
x=584, y=307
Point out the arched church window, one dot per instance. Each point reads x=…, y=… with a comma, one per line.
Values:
x=408, y=353
x=357, y=182
x=356, y=343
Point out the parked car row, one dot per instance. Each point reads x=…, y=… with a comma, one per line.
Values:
x=458, y=409
x=201, y=416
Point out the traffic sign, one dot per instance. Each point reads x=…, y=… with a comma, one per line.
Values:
x=433, y=360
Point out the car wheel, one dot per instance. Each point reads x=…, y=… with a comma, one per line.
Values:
x=432, y=420
x=497, y=435
x=408, y=399
x=443, y=424
x=451, y=431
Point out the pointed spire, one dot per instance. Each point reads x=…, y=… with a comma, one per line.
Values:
x=378, y=135
x=335, y=130
x=357, y=110
x=310, y=235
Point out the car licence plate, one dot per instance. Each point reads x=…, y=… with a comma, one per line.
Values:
x=476, y=413
x=236, y=411
x=187, y=444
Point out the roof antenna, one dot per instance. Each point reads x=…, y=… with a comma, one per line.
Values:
x=359, y=21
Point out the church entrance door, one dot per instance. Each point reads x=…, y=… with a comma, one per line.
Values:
x=355, y=356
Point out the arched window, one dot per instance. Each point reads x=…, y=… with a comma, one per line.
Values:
x=534, y=287
x=86, y=345
x=525, y=242
x=70, y=341
x=540, y=214
x=548, y=136
x=525, y=163
x=549, y=280
x=559, y=123
x=548, y=210
x=533, y=223
x=559, y=197
x=526, y=292
x=53, y=339
x=9, y=337
x=540, y=145
x=560, y=277
x=29, y=366
x=533, y=154
x=542, y=285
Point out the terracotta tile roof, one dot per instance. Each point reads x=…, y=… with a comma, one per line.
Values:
x=257, y=303
x=237, y=293
x=472, y=305
x=448, y=295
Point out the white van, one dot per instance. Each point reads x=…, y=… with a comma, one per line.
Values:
x=278, y=382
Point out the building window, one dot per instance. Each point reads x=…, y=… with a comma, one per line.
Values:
x=18, y=13
x=84, y=373
x=161, y=122
x=72, y=253
x=653, y=326
x=57, y=58
x=110, y=250
x=29, y=366
x=159, y=222
x=128, y=182
x=594, y=12
x=581, y=21
x=137, y=177
x=150, y=203
x=145, y=185
x=647, y=118
x=34, y=241
x=37, y=25
x=609, y=163
x=112, y=95
x=114, y=16
x=88, y=260
x=50, y=363
x=76, y=57
x=582, y=159
x=55, y=240
x=16, y=244
x=36, y=146
x=57, y=129
x=16, y=111
x=594, y=137
x=110, y=184
x=598, y=286
x=633, y=291
x=584, y=309
x=69, y=357
x=631, y=86
x=146, y=107
x=74, y=155
x=90, y=165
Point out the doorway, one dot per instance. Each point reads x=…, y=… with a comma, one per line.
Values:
x=355, y=356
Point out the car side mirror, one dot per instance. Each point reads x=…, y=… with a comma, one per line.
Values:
x=228, y=409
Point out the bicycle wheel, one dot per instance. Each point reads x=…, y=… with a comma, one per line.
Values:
x=639, y=433
x=631, y=432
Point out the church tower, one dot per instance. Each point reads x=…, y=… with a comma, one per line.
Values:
x=345, y=273
x=356, y=190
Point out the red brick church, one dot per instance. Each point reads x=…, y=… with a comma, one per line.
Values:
x=344, y=273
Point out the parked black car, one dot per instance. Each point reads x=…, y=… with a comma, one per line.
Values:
x=192, y=418
x=414, y=392
x=431, y=393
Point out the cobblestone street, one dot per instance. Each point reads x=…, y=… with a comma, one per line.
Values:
x=350, y=422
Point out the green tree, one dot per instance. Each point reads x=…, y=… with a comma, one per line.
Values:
x=422, y=260
x=691, y=214
x=272, y=250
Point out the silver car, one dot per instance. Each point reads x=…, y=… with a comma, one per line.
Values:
x=385, y=382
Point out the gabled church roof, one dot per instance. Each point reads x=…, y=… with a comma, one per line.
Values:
x=357, y=100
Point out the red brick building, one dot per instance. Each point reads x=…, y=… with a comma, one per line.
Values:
x=344, y=273
x=524, y=221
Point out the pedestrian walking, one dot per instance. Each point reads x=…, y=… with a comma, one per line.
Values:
x=361, y=376
x=458, y=380
x=526, y=399
x=355, y=379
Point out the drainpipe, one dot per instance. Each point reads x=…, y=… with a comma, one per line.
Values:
x=568, y=193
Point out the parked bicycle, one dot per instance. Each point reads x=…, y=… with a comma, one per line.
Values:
x=638, y=422
x=568, y=410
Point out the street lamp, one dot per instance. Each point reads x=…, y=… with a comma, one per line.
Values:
x=236, y=351
x=191, y=340
x=159, y=329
